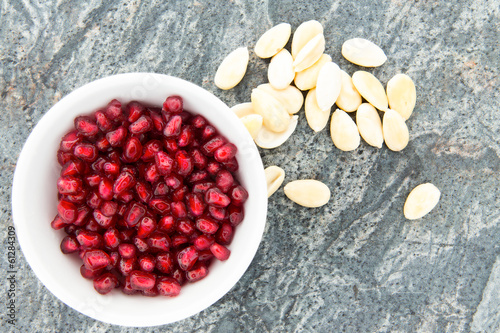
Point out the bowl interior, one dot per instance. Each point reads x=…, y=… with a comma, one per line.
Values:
x=34, y=202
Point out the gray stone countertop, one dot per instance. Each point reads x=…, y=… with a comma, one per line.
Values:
x=353, y=265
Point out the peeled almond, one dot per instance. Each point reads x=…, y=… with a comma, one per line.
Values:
x=268, y=139
x=291, y=97
x=310, y=53
x=344, y=132
x=328, y=85
x=243, y=109
x=349, y=98
x=303, y=34
x=280, y=71
x=316, y=117
x=307, y=79
x=273, y=40
x=308, y=192
x=369, y=125
x=402, y=95
x=274, y=178
x=396, y=135
x=421, y=200
x=232, y=69
x=362, y=52
x=253, y=123
x=371, y=89
x=272, y=111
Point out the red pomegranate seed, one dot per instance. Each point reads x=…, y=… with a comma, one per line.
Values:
x=132, y=150
x=236, y=214
x=94, y=200
x=202, y=187
x=86, y=126
x=109, y=208
x=184, y=163
x=195, y=204
x=199, y=160
x=174, y=181
x=150, y=149
x=69, y=185
x=114, y=110
x=225, y=152
x=178, y=209
x=85, y=151
x=213, y=168
x=105, y=283
x=89, y=273
x=134, y=111
x=127, y=288
x=158, y=242
x=207, y=225
x=92, y=179
x=67, y=211
x=220, y=251
x=187, y=258
x=126, y=266
x=141, y=244
x=127, y=250
x=166, y=223
x=73, y=168
x=164, y=262
x=103, y=220
x=69, y=244
x=231, y=165
x=124, y=182
x=69, y=141
x=170, y=145
x=98, y=164
x=238, y=195
x=173, y=127
x=105, y=189
x=160, y=189
x=150, y=292
x=102, y=144
x=64, y=157
x=158, y=122
x=89, y=239
x=185, y=227
x=93, y=226
x=96, y=259
x=114, y=156
x=173, y=104
x=102, y=121
x=117, y=137
x=111, y=168
x=225, y=234
x=224, y=180
x=115, y=259
x=146, y=227
x=179, y=240
x=205, y=256
x=208, y=132
x=135, y=212
x=215, y=197
x=147, y=263
x=111, y=238
x=127, y=234
x=203, y=242
x=71, y=229
x=152, y=175
x=142, y=280
x=198, y=122
x=198, y=176
x=142, y=125
x=125, y=196
x=159, y=205
x=180, y=193
x=58, y=223
x=197, y=273
x=77, y=198
x=143, y=191
x=212, y=145
x=168, y=286
x=164, y=163
x=186, y=136
x=217, y=213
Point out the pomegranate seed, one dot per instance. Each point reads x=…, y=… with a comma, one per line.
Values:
x=198, y=176
x=85, y=151
x=69, y=141
x=168, y=286
x=147, y=263
x=178, y=209
x=146, y=227
x=180, y=193
x=134, y=214
x=142, y=280
x=124, y=182
x=142, y=125
x=224, y=180
x=69, y=244
x=77, y=198
x=164, y=262
x=212, y=145
x=69, y=185
x=102, y=144
x=150, y=292
x=166, y=223
x=235, y=214
x=215, y=197
x=73, y=168
x=195, y=204
x=174, y=181
x=238, y=195
x=134, y=111
x=67, y=211
x=220, y=251
x=185, y=227
x=89, y=273
x=103, y=220
x=111, y=238
x=127, y=250
x=198, y=122
x=197, y=273
x=105, y=189
x=160, y=189
x=187, y=258
x=105, y=283
x=127, y=288
x=96, y=259
x=93, y=226
x=86, y=126
x=125, y=196
x=159, y=205
x=158, y=242
x=109, y=208
x=152, y=175
x=114, y=110
x=173, y=127
x=207, y=225
x=225, y=234
x=115, y=259
x=164, y=163
x=89, y=239
x=126, y=235
x=173, y=104
x=213, y=168
x=132, y=150
x=231, y=165
x=217, y=213
x=150, y=149
x=208, y=132
x=143, y=191
x=202, y=187
x=58, y=223
x=205, y=255
x=184, y=163
x=170, y=145
x=92, y=180
x=178, y=275
x=126, y=266
x=203, y=242
x=157, y=120
x=122, y=209
x=93, y=200
x=98, y=164
x=64, y=157
x=179, y=240
x=117, y=137
x=102, y=121
x=225, y=152
x=141, y=244
x=114, y=156
x=186, y=136
x=199, y=160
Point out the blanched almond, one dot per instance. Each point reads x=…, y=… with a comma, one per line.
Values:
x=371, y=89
x=280, y=71
x=370, y=125
x=303, y=34
x=253, y=123
x=272, y=111
x=243, y=109
x=349, y=98
x=402, y=95
x=307, y=79
x=232, y=69
x=310, y=53
x=268, y=139
x=274, y=178
x=308, y=192
x=291, y=97
x=344, y=132
x=273, y=40
x=421, y=200
x=396, y=135
x=316, y=118
x=362, y=52
x=328, y=85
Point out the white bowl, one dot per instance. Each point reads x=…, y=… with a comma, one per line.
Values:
x=34, y=204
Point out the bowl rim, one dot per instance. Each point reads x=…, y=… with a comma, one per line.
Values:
x=22, y=167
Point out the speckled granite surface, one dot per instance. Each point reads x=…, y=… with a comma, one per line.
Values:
x=354, y=265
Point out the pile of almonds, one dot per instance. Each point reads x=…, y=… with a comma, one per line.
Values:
x=271, y=117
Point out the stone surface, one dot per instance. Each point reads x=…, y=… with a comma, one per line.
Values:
x=354, y=265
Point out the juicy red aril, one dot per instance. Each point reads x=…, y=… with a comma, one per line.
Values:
x=164, y=262
x=197, y=273
x=178, y=209
x=231, y=165
x=127, y=288
x=73, y=168
x=105, y=283
x=150, y=149
x=207, y=225
x=208, y=132
x=187, y=258
x=69, y=244
x=89, y=273
x=67, y=211
x=150, y=292
x=92, y=179
x=126, y=266
x=141, y=125
x=199, y=160
x=115, y=259
x=58, y=223
x=195, y=204
x=111, y=238
x=117, y=137
x=98, y=164
x=159, y=205
x=225, y=152
x=146, y=227
x=132, y=150
x=126, y=235
x=147, y=263
x=124, y=181
x=102, y=143
x=152, y=174
x=215, y=197
x=174, y=181
x=86, y=126
x=179, y=240
x=89, y=239
x=127, y=250
x=166, y=223
x=184, y=163
x=220, y=251
x=198, y=122
x=198, y=176
x=96, y=259
x=93, y=226
x=164, y=163
x=64, y=157
x=157, y=120
x=109, y=208
x=85, y=151
x=224, y=180
x=225, y=234
x=180, y=193
x=142, y=280
x=173, y=127
x=173, y=104
x=141, y=244
x=202, y=187
x=186, y=136
x=143, y=191
x=238, y=195
x=217, y=213
x=125, y=196
x=103, y=220
x=213, y=168
x=69, y=141
x=105, y=189
x=212, y=145
x=102, y=121
x=235, y=214
x=93, y=200
x=203, y=242
x=158, y=242
x=134, y=214
x=168, y=286
x=160, y=189
x=69, y=185
x=134, y=111
x=170, y=145
x=114, y=110
x=111, y=168
x=185, y=227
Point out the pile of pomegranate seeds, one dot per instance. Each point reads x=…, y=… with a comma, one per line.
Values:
x=148, y=197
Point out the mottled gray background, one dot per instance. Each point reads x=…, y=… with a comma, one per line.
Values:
x=354, y=265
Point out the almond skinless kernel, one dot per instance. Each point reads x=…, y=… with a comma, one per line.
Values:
x=316, y=118
x=243, y=109
x=308, y=192
x=232, y=69
x=303, y=34
x=291, y=97
x=371, y=89
x=280, y=71
x=274, y=178
x=349, y=98
x=421, y=200
x=402, y=95
x=328, y=85
x=396, y=135
x=370, y=125
x=253, y=123
x=362, y=52
x=344, y=132
x=272, y=111
x=273, y=40
x=310, y=53
x=307, y=79
x=268, y=139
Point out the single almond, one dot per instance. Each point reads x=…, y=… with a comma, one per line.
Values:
x=280, y=72
x=349, y=98
x=371, y=89
x=308, y=192
x=362, y=52
x=328, y=85
x=253, y=123
x=303, y=34
x=344, y=132
x=307, y=79
x=243, y=109
x=274, y=178
x=268, y=139
x=402, y=95
x=310, y=53
x=291, y=97
x=232, y=69
x=273, y=40
x=272, y=111
x=421, y=200
x=396, y=135
x=370, y=125
x=316, y=117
